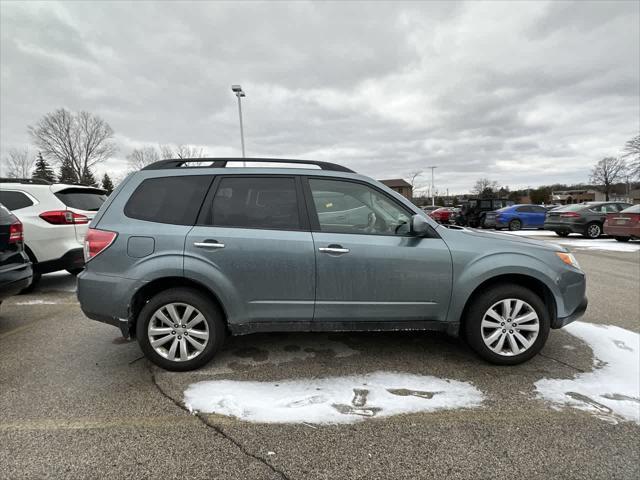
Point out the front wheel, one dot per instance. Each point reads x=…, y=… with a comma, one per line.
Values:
x=180, y=329
x=562, y=233
x=507, y=324
x=593, y=230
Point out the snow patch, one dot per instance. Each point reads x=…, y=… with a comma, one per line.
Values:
x=330, y=400
x=610, y=244
x=37, y=302
x=612, y=390
x=530, y=233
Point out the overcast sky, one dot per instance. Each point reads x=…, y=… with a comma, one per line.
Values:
x=522, y=93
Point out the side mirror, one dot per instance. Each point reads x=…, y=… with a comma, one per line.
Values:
x=419, y=226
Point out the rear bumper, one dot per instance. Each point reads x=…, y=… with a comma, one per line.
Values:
x=560, y=322
x=14, y=280
x=72, y=259
x=106, y=299
x=616, y=231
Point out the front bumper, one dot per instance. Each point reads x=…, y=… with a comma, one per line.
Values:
x=560, y=322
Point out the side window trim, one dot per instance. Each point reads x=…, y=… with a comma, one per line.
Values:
x=313, y=214
x=205, y=216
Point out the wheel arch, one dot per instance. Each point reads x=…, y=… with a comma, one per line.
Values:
x=534, y=284
x=152, y=288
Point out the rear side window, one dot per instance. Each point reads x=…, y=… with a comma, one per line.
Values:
x=251, y=202
x=174, y=200
x=82, y=198
x=15, y=200
x=525, y=209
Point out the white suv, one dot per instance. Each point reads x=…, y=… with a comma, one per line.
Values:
x=55, y=218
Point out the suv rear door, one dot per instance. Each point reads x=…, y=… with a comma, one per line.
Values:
x=368, y=266
x=253, y=243
x=83, y=200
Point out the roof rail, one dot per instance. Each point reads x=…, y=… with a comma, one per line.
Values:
x=222, y=163
x=35, y=181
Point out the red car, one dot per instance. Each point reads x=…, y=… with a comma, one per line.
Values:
x=623, y=225
x=442, y=215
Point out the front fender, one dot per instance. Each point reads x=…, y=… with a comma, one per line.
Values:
x=488, y=267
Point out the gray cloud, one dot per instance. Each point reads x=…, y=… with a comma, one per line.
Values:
x=522, y=92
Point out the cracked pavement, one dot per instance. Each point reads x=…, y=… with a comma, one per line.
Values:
x=77, y=401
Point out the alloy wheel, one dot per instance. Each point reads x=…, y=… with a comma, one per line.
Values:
x=178, y=332
x=510, y=327
x=593, y=230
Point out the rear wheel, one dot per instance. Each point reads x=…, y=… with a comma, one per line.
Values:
x=507, y=324
x=515, y=225
x=562, y=233
x=180, y=329
x=593, y=230
x=623, y=239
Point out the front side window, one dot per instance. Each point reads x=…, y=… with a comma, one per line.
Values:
x=251, y=202
x=349, y=207
x=15, y=200
x=174, y=200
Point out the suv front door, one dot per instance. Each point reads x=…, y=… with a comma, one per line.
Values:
x=253, y=246
x=369, y=267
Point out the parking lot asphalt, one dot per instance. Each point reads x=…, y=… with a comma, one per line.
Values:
x=78, y=401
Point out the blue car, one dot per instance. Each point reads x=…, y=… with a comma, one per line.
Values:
x=517, y=217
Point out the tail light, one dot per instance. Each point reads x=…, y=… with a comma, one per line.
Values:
x=97, y=241
x=16, y=233
x=63, y=217
x=569, y=215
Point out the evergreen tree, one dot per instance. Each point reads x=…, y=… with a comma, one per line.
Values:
x=67, y=173
x=107, y=184
x=43, y=171
x=87, y=178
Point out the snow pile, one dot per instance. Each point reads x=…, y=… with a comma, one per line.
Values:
x=612, y=390
x=330, y=400
x=610, y=244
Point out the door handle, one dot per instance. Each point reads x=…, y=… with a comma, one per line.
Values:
x=339, y=249
x=213, y=244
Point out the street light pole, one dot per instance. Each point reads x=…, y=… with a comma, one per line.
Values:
x=237, y=89
x=433, y=198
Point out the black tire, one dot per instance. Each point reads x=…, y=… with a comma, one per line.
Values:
x=515, y=225
x=623, y=239
x=483, y=302
x=593, y=230
x=74, y=271
x=213, y=317
x=562, y=233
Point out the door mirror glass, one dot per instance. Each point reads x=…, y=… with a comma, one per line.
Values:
x=419, y=225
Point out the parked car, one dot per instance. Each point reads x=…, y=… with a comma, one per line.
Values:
x=15, y=267
x=55, y=218
x=624, y=225
x=516, y=217
x=584, y=218
x=430, y=208
x=245, y=250
x=474, y=210
x=444, y=215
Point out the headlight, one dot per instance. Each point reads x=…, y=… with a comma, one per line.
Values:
x=569, y=259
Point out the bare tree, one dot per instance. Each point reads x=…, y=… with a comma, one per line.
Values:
x=81, y=138
x=632, y=155
x=607, y=172
x=181, y=151
x=484, y=186
x=141, y=157
x=19, y=163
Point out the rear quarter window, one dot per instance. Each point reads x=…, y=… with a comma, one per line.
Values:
x=82, y=198
x=15, y=200
x=174, y=200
